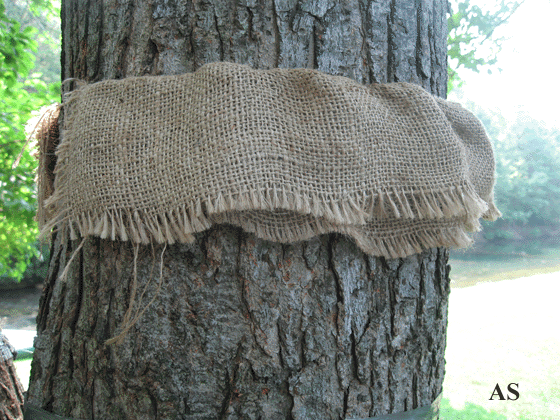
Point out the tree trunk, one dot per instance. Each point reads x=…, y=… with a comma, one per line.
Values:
x=244, y=328
x=11, y=390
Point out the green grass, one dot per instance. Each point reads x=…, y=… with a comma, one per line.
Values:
x=470, y=412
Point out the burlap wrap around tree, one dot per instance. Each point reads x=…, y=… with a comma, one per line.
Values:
x=286, y=154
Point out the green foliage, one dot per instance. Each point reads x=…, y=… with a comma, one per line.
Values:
x=528, y=176
x=531, y=168
x=42, y=16
x=22, y=91
x=471, y=39
x=469, y=412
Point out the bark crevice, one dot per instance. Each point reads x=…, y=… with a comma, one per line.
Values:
x=391, y=61
x=220, y=40
x=277, y=36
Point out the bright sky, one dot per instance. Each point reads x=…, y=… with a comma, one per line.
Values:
x=530, y=65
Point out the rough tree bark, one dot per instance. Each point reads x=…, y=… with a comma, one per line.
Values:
x=11, y=390
x=244, y=328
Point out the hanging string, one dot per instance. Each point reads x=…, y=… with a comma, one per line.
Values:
x=128, y=323
x=64, y=274
x=48, y=112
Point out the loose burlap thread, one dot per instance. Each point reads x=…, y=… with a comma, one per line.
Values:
x=48, y=136
x=286, y=154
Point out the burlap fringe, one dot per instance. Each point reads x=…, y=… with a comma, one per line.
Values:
x=405, y=245
x=46, y=132
x=394, y=246
x=492, y=213
x=180, y=224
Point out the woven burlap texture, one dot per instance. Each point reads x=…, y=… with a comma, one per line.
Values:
x=47, y=135
x=284, y=153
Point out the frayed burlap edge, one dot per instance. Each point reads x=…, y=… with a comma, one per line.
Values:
x=181, y=223
x=404, y=238
x=48, y=137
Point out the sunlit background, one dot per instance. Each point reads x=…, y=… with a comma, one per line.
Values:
x=528, y=79
x=497, y=331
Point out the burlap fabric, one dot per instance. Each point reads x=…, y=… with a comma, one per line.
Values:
x=286, y=154
x=48, y=136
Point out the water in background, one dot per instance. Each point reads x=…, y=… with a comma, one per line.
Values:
x=484, y=263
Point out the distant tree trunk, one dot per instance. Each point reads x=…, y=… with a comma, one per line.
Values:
x=11, y=390
x=245, y=328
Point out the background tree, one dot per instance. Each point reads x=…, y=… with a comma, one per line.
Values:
x=43, y=16
x=24, y=88
x=472, y=42
x=246, y=328
x=528, y=179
